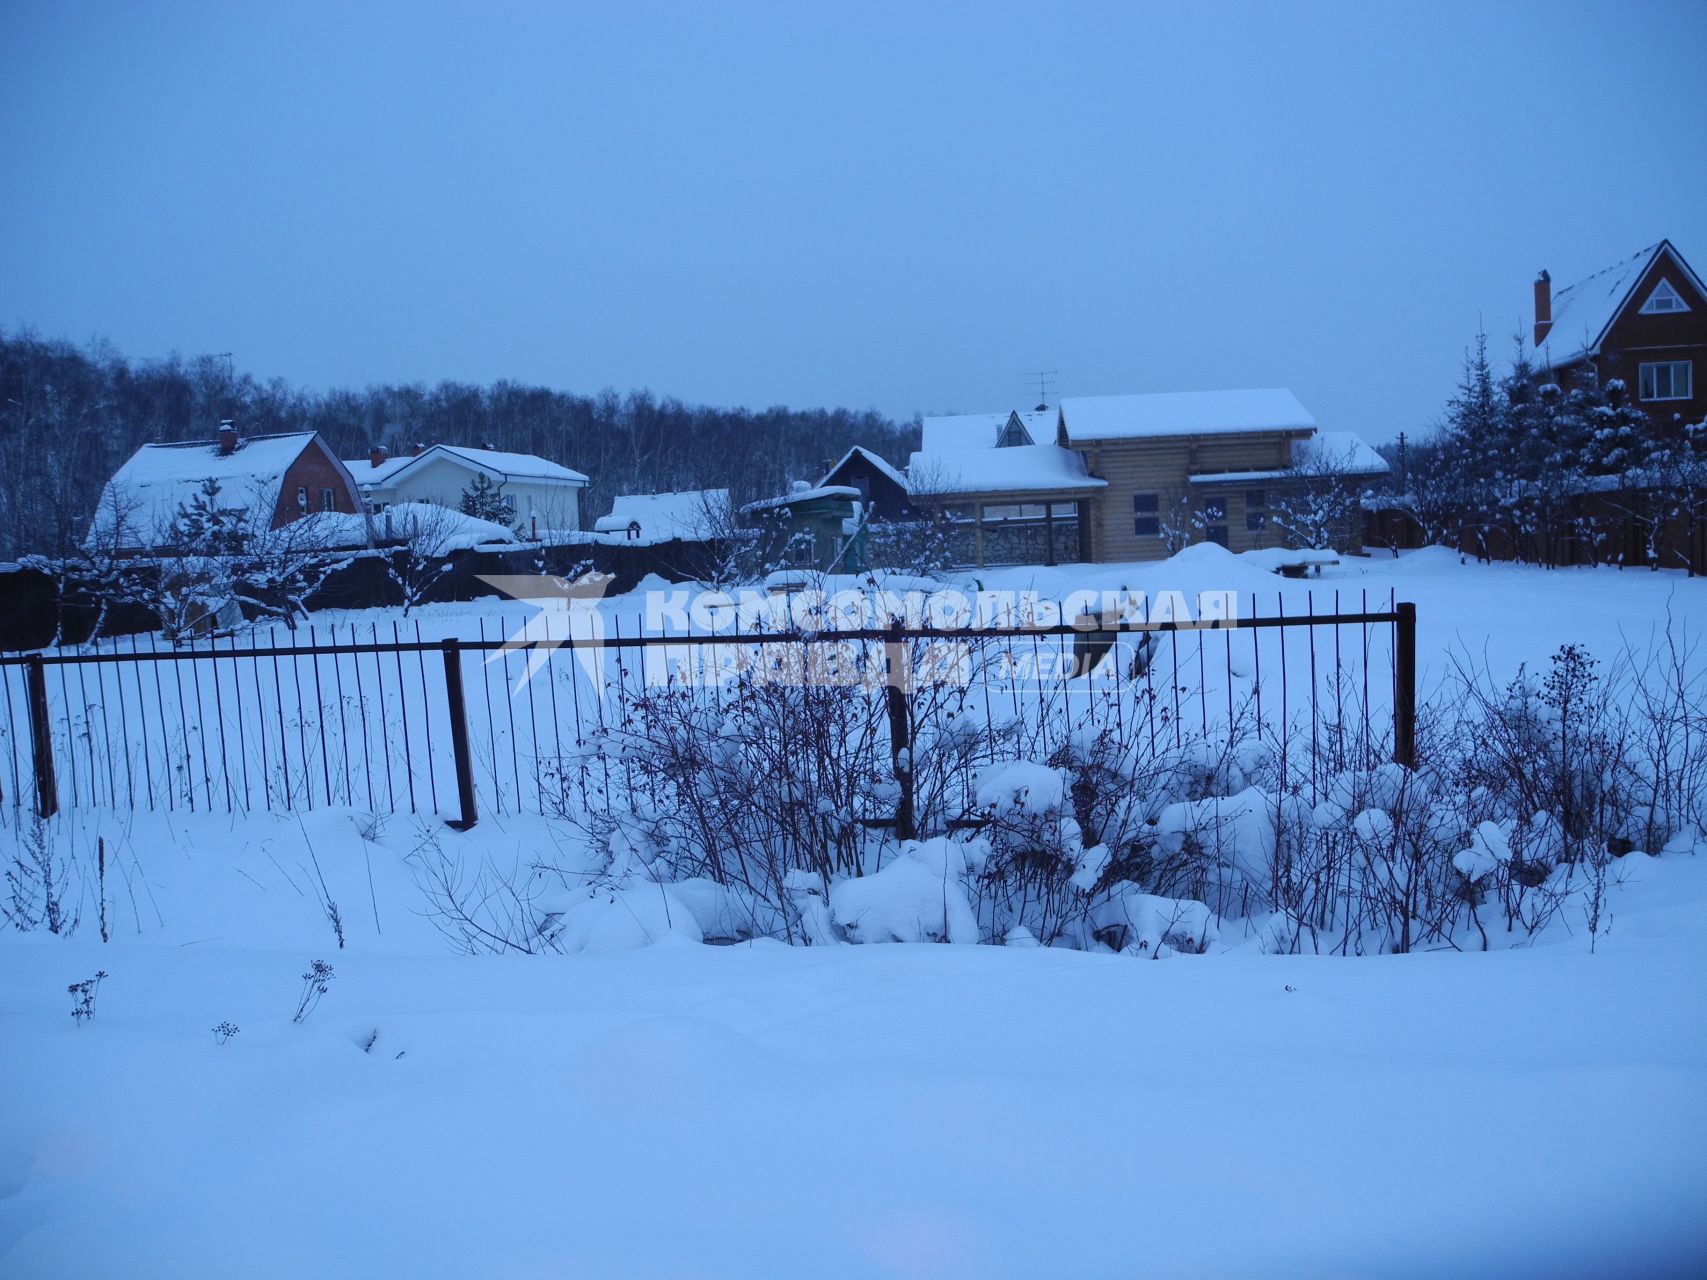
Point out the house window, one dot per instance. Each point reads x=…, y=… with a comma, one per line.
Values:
x=1147, y=515
x=1664, y=300
x=994, y=511
x=328, y=500
x=1215, y=520
x=302, y=497
x=1256, y=510
x=1666, y=380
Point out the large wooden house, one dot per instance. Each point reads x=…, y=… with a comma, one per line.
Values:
x=1117, y=478
x=1642, y=320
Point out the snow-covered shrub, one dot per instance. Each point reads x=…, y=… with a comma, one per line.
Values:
x=624, y=919
x=1668, y=754
x=479, y=909
x=919, y=896
x=1037, y=873
x=1557, y=744
x=745, y=784
x=923, y=545
x=781, y=775
x=765, y=807
x=1138, y=923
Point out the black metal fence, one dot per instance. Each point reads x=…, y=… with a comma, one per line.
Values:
x=383, y=719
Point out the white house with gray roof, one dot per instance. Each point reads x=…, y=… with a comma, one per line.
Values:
x=540, y=493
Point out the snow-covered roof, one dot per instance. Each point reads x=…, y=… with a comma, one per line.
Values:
x=691, y=515
x=983, y=430
x=804, y=493
x=1025, y=468
x=1342, y=452
x=880, y=464
x=1584, y=311
x=157, y=480
x=1339, y=453
x=440, y=530
x=366, y=473
x=1040, y=424
x=963, y=431
x=1183, y=413
x=495, y=463
x=328, y=530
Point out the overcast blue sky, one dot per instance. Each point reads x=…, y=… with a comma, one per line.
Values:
x=905, y=207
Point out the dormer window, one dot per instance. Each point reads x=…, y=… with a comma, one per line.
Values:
x=1013, y=434
x=1664, y=300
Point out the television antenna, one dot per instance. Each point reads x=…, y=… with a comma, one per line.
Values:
x=1045, y=380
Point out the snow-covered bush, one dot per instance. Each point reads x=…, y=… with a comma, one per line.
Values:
x=613, y=919
x=1035, y=872
x=918, y=896
x=742, y=785
x=1090, y=816
x=480, y=909
x=1138, y=923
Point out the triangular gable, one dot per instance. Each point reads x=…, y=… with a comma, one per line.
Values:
x=1584, y=313
x=1013, y=434
x=877, y=463
x=1664, y=300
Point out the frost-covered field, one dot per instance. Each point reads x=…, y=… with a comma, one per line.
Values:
x=634, y=1103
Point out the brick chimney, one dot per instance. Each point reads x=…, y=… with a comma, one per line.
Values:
x=1543, y=307
x=227, y=438
x=376, y=456
x=418, y=450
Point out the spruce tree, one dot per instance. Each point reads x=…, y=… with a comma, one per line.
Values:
x=485, y=501
x=1618, y=435
x=202, y=525
x=1475, y=418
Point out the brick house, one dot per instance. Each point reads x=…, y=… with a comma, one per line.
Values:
x=273, y=479
x=1642, y=320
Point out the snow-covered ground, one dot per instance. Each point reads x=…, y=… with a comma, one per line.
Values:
x=762, y=1110
x=645, y=1105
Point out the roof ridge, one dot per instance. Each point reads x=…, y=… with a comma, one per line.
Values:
x=1620, y=265
x=213, y=442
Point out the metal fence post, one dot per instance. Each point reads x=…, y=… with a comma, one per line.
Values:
x=1405, y=687
x=458, y=710
x=900, y=729
x=41, y=737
